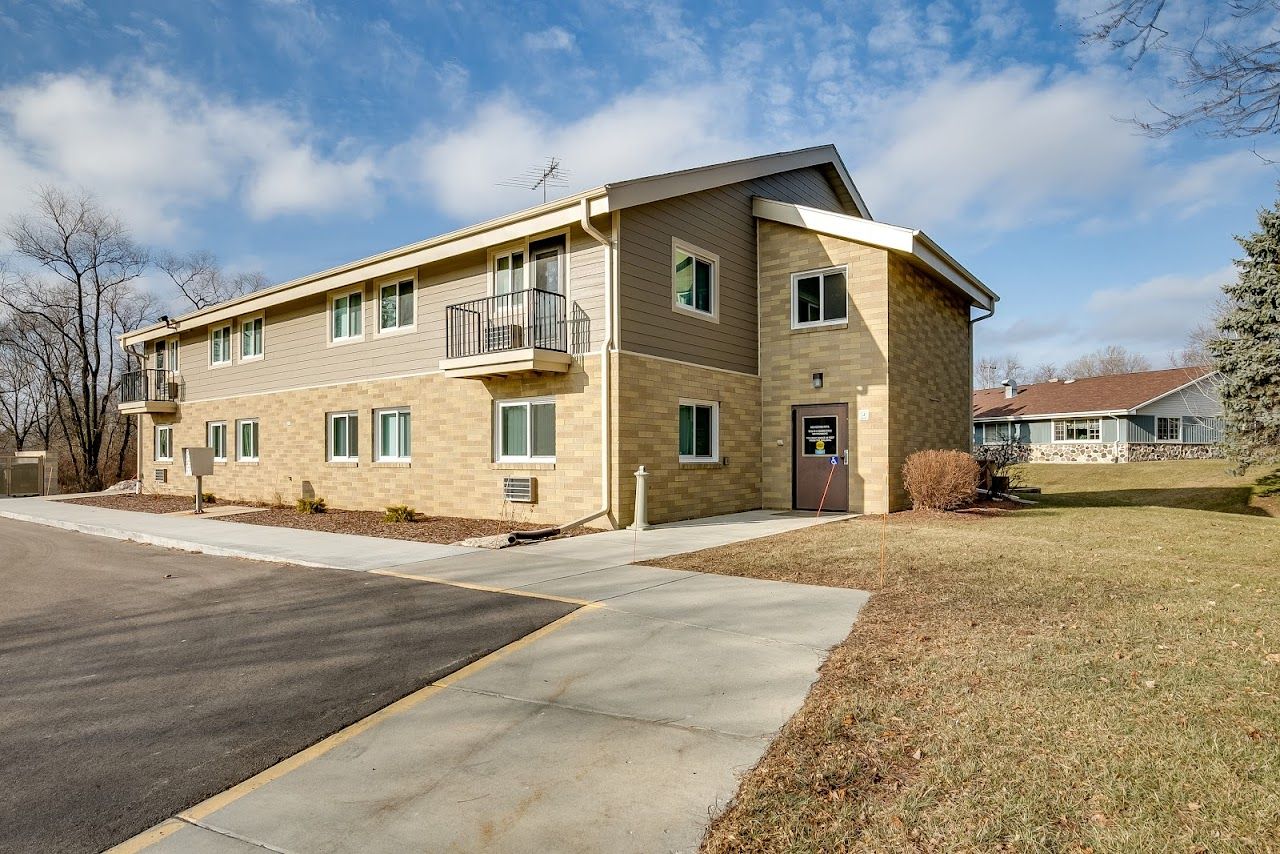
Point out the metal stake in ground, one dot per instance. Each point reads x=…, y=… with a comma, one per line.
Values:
x=835, y=461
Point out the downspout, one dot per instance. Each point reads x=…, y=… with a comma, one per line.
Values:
x=972, y=447
x=1117, y=420
x=606, y=348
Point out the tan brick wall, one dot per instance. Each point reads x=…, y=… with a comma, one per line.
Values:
x=852, y=358
x=452, y=470
x=930, y=398
x=647, y=428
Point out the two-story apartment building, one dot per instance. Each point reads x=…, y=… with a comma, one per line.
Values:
x=744, y=331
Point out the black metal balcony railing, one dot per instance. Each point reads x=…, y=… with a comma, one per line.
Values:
x=150, y=384
x=529, y=318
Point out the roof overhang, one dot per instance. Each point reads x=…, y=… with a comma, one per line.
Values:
x=895, y=238
x=1182, y=387
x=1110, y=413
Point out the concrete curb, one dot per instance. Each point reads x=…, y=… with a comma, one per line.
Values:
x=162, y=542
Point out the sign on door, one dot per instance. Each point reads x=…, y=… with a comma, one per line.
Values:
x=820, y=435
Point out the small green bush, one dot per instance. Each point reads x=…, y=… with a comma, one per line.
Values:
x=308, y=506
x=209, y=498
x=400, y=513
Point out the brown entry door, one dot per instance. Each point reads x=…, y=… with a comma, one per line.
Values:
x=820, y=439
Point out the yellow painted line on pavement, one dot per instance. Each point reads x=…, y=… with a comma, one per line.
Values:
x=198, y=812
x=570, y=600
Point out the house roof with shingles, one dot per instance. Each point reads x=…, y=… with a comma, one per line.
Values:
x=1114, y=393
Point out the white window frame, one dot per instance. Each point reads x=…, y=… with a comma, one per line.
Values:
x=498, y=254
x=208, y=438
x=166, y=430
x=528, y=403
x=353, y=429
x=1174, y=418
x=228, y=349
x=333, y=310
x=397, y=280
x=822, y=297
x=378, y=453
x=241, y=456
x=527, y=271
x=171, y=351
x=678, y=245
x=240, y=324
x=715, y=431
x=1053, y=432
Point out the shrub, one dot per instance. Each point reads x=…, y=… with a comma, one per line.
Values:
x=940, y=480
x=400, y=513
x=209, y=498
x=309, y=506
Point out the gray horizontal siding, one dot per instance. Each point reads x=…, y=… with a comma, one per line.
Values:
x=1196, y=429
x=1200, y=399
x=720, y=221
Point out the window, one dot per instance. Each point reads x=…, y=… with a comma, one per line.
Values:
x=547, y=256
x=393, y=435
x=693, y=280
x=526, y=431
x=247, y=440
x=166, y=355
x=164, y=443
x=1169, y=429
x=220, y=345
x=996, y=434
x=216, y=436
x=1078, y=430
x=348, y=320
x=344, y=437
x=395, y=306
x=699, y=431
x=251, y=338
x=508, y=272
x=819, y=298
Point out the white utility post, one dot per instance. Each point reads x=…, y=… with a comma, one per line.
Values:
x=641, y=522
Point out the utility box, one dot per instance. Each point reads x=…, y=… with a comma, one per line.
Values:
x=197, y=462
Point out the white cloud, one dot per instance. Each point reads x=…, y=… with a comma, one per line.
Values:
x=550, y=39
x=1155, y=316
x=999, y=151
x=153, y=147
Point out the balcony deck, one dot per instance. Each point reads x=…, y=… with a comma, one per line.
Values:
x=149, y=392
x=520, y=332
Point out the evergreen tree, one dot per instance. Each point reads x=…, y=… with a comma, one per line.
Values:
x=1247, y=348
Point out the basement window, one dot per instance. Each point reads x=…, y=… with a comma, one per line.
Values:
x=164, y=443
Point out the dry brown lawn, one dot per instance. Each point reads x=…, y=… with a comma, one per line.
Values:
x=1100, y=672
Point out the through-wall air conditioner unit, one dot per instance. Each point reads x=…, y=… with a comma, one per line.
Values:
x=162, y=475
x=523, y=490
x=505, y=337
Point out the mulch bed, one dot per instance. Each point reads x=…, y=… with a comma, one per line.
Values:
x=140, y=503
x=369, y=523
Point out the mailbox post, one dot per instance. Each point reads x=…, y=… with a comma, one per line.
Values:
x=198, y=462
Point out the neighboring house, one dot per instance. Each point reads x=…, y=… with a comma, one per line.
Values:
x=744, y=331
x=1149, y=415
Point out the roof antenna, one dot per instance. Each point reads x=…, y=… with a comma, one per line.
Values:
x=552, y=174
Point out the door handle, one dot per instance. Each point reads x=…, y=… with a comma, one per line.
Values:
x=845, y=454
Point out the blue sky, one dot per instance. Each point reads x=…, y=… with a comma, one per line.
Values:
x=290, y=135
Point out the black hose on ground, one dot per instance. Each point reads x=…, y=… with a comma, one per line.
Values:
x=540, y=534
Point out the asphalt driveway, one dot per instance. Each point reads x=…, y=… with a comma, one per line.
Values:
x=138, y=681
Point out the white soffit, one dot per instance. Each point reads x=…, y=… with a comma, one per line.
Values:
x=894, y=237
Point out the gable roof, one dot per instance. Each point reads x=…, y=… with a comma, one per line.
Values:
x=1116, y=393
x=545, y=217
x=908, y=241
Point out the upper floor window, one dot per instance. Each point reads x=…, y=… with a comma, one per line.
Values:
x=508, y=272
x=693, y=275
x=699, y=431
x=251, y=338
x=1169, y=429
x=1078, y=430
x=348, y=322
x=220, y=345
x=526, y=430
x=164, y=443
x=819, y=298
x=547, y=256
x=395, y=305
x=166, y=354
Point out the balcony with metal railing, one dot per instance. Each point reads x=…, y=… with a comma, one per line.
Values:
x=151, y=390
x=511, y=333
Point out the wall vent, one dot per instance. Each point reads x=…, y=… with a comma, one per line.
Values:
x=523, y=490
x=162, y=475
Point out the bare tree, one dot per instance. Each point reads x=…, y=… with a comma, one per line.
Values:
x=1231, y=64
x=75, y=293
x=1109, y=360
x=27, y=403
x=986, y=373
x=201, y=280
x=1043, y=372
x=1011, y=369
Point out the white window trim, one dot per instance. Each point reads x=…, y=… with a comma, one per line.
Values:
x=1053, y=433
x=491, y=276
x=239, y=337
x=334, y=296
x=498, y=406
x=822, y=296
x=378, y=455
x=240, y=455
x=231, y=344
x=378, y=285
x=715, y=430
x=1156, y=430
x=702, y=254
x=328, y=436
x=208, y=438
x=163, y=428
x=172, y=354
